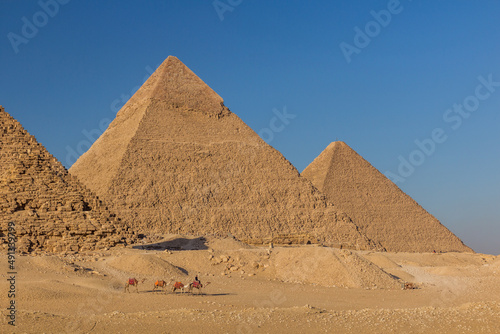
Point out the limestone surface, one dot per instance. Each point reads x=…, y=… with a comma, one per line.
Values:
x=50, y=209
x=176, y=160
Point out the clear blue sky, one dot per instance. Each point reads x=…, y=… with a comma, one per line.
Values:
x=70, y=72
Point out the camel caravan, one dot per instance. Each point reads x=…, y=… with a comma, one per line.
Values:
x=161, y=285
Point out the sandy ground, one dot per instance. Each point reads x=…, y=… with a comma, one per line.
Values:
x=254, y=290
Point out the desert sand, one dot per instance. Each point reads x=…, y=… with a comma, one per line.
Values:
x=283, y=289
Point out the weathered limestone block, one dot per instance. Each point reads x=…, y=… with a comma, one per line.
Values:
x=52, y=210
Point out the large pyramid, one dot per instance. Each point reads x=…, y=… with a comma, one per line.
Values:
x=385, y=213
x=50, y=209
x=175, y=159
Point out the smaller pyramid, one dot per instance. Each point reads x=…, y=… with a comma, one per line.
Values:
x=382, y=211
x=50, y=209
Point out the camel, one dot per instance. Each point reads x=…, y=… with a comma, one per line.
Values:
x=180, y=286
x=196, y=285
x=133, y=282
x=160, y=285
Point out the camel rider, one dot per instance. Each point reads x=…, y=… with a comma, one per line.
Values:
x=196, y=282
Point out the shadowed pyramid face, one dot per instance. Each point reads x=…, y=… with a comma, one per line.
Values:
x=52, y=211
x=175, y=159
x=385, y=213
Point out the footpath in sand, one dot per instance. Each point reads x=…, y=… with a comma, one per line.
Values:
x=255, y=290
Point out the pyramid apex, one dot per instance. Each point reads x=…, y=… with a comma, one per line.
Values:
x=339, y=143
x=174, y=84
x=173, y=65
x=172, y=59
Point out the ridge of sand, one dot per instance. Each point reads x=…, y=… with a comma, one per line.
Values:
x=383, y=211
x=329, y=267
x=51, y=210
x=145, y=265
x=188, y=165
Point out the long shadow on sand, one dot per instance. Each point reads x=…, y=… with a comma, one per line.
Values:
x=177, y=244
x=203, y=294
x=188, y=294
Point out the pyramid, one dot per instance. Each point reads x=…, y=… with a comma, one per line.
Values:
x=51, y=210
x=383, y=212
x=176, y=160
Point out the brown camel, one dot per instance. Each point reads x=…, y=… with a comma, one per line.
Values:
x=160, y=285
x=197, y=285
x=133, y=282
x=180, y=286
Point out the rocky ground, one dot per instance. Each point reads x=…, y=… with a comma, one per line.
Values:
x=253, y=290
